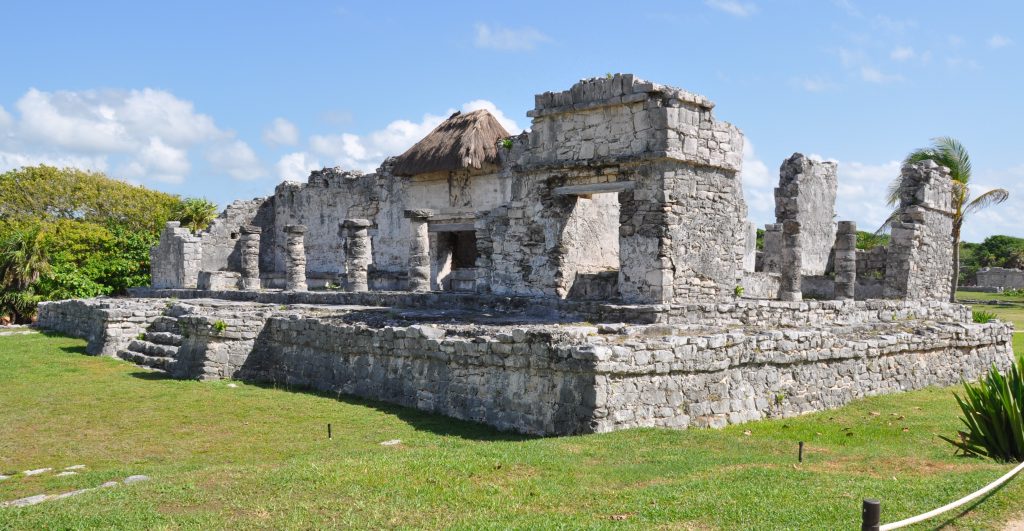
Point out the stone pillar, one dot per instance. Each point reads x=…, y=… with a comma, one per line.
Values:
x=295, y=258
x=789, y=283
x=771, y=255
x=357, y=254
x=807, y=193
x=845, y=263
x=250, y=243
x=419, y=250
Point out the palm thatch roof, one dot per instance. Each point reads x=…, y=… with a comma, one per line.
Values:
x=463, y=141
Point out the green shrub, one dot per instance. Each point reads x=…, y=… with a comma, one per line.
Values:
x=219, y=327
x=993, y=409
x=981, y=316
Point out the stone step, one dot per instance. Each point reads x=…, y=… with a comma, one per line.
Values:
x=152, y=349
x=164, y=338
x=164, y=323
x=162, y=363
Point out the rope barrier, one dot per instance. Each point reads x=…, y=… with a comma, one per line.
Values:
x=871, y=511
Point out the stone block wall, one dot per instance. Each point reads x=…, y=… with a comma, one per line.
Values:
x=1000, y=277
x=108, y=325
x=176, y=260
x=222, y=250
x=807, y=194
x=919, y=263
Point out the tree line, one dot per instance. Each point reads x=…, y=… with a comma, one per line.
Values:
x=67, y=233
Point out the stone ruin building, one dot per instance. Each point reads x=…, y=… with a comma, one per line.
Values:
x=595, y=273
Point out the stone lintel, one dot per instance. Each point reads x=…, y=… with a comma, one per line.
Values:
x=421, y=214
x=598, y=188
x=451, y=227
x=251, y=229
x=295, y=229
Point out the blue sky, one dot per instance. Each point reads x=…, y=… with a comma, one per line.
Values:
x=224, y=99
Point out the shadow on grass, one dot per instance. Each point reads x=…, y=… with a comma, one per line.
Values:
x=151, y=375
x=434, y=423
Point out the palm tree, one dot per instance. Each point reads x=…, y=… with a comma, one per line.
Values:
x=196, y=214
x=949, y=152
x=23, y=259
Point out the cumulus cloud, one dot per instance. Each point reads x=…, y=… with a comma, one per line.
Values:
x=507, y=39
x=145, y=135
x=366, y=152
x=902, y=53
x=733, y=7
x=281, y=132
x=998, y=41
x=236, y=159
x=758, y=186
x=814, y=84
x=874, y=75
x=296, y=166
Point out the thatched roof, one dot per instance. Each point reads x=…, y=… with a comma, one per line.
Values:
x=463, y=141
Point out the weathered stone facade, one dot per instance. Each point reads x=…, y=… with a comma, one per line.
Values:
x=464, y=277
x=718, y=365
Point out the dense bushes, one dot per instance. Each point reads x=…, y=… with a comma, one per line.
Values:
x=65, y=233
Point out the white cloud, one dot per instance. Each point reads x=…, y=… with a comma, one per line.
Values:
x=143, y=134
x=281, y=132
x=296, y=166
x=366, y=152
x=873, y=75
x=733, y=7
x=506, y=39
x=5, y=119
x=10, y=161
x=758, y=186
x=755, y=172
x=236, y=159
x=955, y=41
x=902, y=53
x=814, y=84
x=998, y=41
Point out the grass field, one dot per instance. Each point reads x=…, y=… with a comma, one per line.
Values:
x=1013, y=313
x=247, y=456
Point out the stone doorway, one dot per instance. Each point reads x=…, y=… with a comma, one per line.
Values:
x=454, y=254
x=589, y=249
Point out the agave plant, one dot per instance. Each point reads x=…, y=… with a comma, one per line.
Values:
x=993, y=411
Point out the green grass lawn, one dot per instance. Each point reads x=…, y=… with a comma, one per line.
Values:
x=249, y=456
x=1013, y=313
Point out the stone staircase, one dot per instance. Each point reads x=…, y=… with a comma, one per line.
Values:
x=157, y=348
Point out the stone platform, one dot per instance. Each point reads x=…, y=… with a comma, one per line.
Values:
x=547, y=367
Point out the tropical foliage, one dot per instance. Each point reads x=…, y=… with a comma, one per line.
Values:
x=67, y=233
x=993, y=410
x=949, y=152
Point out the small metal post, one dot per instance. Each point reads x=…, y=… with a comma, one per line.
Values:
x=329, y=431
x=800, y=453
x=871, y=515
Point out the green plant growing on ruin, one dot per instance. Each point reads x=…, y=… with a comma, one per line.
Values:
x=982, y=317
x=219, y=327
x=949, y=152
x=738, y=291
x=141, y=336
x=506, y=143
x=780, y=398
x=282, y=307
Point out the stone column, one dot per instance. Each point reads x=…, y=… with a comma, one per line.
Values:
x=845, y=262
x=250, y=243
x=419, y=250
x=357, y=253
x=789, y=284
x=295, y=258
x=771, y=256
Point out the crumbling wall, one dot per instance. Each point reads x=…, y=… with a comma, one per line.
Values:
x=328, y=197
x=221, y=249
x=807, y=194
x=1000, y=277
x=175, y=261
x=919, y=262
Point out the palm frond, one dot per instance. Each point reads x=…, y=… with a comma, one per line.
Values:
x=955, y=157
x=887, y=224
x=989, y=198
x=892, y=193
